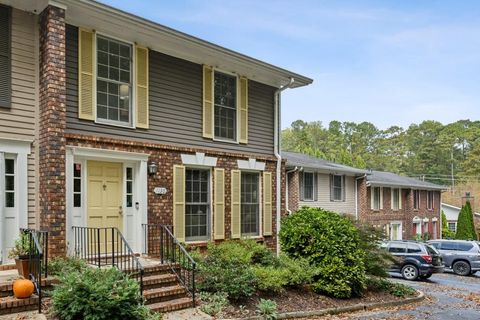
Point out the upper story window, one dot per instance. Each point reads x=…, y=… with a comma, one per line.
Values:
x=308, y=186
x=416, y=199
x=225, y=100
x=429, y=200
x=114, y=65
x=395, y=199
x=337, y=188
x=10, y=183
x=376, y=198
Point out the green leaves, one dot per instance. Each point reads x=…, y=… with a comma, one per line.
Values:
x=465, y=225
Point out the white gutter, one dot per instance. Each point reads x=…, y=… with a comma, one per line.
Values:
x=276, y=148
x=286, y=188
x=356, y=195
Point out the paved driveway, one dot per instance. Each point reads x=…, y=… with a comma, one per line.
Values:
x=448, y=297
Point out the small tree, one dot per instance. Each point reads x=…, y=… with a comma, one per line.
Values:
x=465, y=226
x=446, y=233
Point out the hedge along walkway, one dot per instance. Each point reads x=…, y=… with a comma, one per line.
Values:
x=346, y=309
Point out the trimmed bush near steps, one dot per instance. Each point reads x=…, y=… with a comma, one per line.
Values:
x=331, y=243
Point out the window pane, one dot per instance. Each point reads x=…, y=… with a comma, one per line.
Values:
x=9, y=166
x=113, y=114
x=413, y=248
x=102, y=71
x=102, y=58
x=10, y=183
x=129, y=186
x=124, y=76
x=250, y=204
x=113, y=74
x=197, y=204
x=102, y=112
x=77, y=185
x=113, y=60
x=102, y=44
x=125, y=51
x=102, y=86
x=129, y=173
x=113, y=47
x=10, y=199
x=225, y=95
x=129, y=200
x=77, y=170
x=101, y=98
x=77, y=200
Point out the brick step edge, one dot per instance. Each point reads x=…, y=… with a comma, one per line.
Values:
x=163, y=292
x=11, y=304
x=8, y=286
x=4, y=267
x=159, y=279
x=172, y=305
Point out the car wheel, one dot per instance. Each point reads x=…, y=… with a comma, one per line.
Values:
x=409, y=272
x=426, y=276
x=462, y=268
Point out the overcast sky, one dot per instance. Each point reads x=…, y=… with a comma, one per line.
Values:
x=390, y=62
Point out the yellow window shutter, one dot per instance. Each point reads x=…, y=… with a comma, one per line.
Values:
x=236, y=188
x=86, y=76
x=243, y=110
x=207, y=102
x=179, y=202
x=267, y=203
x=141, y=87
x=219, y=210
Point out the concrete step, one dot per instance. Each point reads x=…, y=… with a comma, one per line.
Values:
x=9, y=305
x=171, y=305
x=164, y=294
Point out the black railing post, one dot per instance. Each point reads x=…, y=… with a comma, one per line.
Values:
x=98, y=246
x=113, y=246
x=194, y=267
x=161, y=246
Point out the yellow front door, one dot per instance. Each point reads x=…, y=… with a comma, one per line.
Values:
x=104, y=195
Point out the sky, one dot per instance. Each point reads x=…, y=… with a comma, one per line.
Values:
x=389, y=62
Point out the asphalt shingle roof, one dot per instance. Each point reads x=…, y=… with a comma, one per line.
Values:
x=392, y=179
x=306, y=161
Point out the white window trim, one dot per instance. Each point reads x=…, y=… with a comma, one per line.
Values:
x=237, y=107
x=400, y=229
x=210, y=235
x=372, y=200
x=133, y=77
x=260, y=208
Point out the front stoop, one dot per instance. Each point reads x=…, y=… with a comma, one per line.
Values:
x=162, y=290
x=10, y=304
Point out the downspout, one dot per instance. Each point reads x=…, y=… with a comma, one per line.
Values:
x=276, y=148
x=286, y=188
x=356, y=195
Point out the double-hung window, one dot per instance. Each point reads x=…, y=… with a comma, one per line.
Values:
x=395, y=199
x=10, y=183
x=429, y=200
x=225, y=99
x=308, y=186
x=337, y=187
x=416, y=199
x=250, y=204
x=376, y=198
x=114, y=81
x=197, y=204
x=452, y=226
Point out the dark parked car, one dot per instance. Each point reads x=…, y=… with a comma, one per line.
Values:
x=414, y=259
x=462, y=256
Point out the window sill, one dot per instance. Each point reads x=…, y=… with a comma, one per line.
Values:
x=337, y=200
x=113, y=124
x=307, y=200
x=226, y=141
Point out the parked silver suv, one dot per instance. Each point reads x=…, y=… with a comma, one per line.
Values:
x=462, y=256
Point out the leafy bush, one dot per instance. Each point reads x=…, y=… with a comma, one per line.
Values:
x=377, y=259
x=446, y=233
x=213, y=303
x=267, y=309
x=61, y=265
x=465, y=225
x=298, y=271
x=397, y=289
x=96, y=294
x=271, y=279
x=331, y=243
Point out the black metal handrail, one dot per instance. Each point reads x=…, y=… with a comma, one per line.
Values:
x=37, y=258
x=161, y=243
x=107, y=247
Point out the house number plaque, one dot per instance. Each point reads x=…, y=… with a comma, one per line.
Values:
x=159, y=190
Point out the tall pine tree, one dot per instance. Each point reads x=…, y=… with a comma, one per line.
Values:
x=465, y=226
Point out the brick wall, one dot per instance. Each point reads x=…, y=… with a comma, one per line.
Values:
x=52, y=96
x=160, y=207
x=406, y=215
x=293, y=190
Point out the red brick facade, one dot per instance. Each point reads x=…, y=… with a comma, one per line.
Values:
x=406, y=214
x=293, y=190
x=160, y=207
x=52, y=97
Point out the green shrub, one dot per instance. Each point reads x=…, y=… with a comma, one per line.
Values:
x=213, y=303
x=61, y=265
x=298, y=271
x=226, y=268
x=396, y=289
x=96, y=294
x=465, y=225
x=331, y=243
x=446, y=233
x=271, y=279
x=267, y=309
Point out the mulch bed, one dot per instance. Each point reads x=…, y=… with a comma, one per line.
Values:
x=301, y=299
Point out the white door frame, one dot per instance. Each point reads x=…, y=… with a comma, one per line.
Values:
x=19, y=151
x=78, y=216
x=399, y=230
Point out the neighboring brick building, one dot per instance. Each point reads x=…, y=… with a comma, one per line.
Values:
x=110, y=120
x=406, y=208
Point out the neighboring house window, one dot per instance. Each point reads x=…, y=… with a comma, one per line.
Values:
x=452, y=226
x=416, y=199
x=77, y=185
x=250, y=204
x=337, y=187
x=376, y=198
x=395, y=199
x=425, y=227
x=114, y=64
x=429, y=200
x=308, y=186
x=10, y=183
x=129, y=187
x=434, y=229
x=197, y=205
x=5, y=57
x=225, y=99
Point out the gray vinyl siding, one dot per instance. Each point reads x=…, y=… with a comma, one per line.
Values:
x=323, y=196
x=19, y=121
x=175, y=106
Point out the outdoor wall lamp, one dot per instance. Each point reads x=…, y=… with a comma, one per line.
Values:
x=152, y=168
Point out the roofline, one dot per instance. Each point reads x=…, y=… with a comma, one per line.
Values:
x=329, y=170
x=300, y=80
x=454, y=207
x=408, y=186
